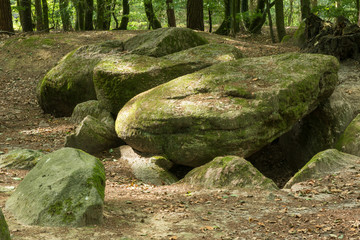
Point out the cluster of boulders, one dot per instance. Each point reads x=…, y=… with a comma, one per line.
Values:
x=167, y=98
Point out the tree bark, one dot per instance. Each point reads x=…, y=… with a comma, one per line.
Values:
x=258, y=20
x=210, y=20
x=305, y=9
x=244, y=9
x=65, y=15
x=26, y=21
x=114, y=15
x=45, y=13
x=80, y=15
x=5, y=16
x=224, y=28
x=149, y=10
x=39, y=15
x=100, y=14
x=107, y=15
x=291, y=12
x=195, y=14
x=270, y=23
x=170, y=13
x=279, y=15
x=89, y=9
x=125, y=16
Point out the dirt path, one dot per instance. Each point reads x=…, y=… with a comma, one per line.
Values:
x=324, y=209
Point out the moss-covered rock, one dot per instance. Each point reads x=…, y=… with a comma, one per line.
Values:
x=65, y=188
x=93, y=136
x=20, y=159
x=94, y=109
x=327, y=162
x=229, y=108
x=117, y=80
x=349, y=141
x=229, y=171
x=4, y=230
x=149, y=169
x=163, y=41
x=70, y=81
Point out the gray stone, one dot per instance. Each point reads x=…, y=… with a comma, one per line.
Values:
x=324, y=163
x=4, y=229
x=349, y=141
x=70, y=81
x=94, y=109
x=149, y=169
x=230, y=172
x=20, y=159
x=229, y=108
x=93, y=136
x=163, y=41
x=65, y=188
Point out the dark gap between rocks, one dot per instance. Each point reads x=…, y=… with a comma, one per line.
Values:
x=180, y=170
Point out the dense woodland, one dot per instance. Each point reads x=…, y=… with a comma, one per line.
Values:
x=226, y=17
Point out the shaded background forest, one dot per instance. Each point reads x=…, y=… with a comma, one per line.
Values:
x=226, y=17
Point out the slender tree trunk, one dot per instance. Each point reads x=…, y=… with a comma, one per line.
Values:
x=125, y=17
x=305, y=9
x=39, y=15
x=107, y=15
x=291, y=12
x=244, y=9
x=270, y=23
x=5, y=16
x=210, y=20
x=258, y=20
x=100, y=14
x=149, y=10
x=80, y=14
x=170, y=13
x=195, y=14
x=114, y=15
x=233, y=22
x=279, y=15
x=89, y=9
x=26, y=22
x=45, y=13
x=65, y=15
x=224, y=28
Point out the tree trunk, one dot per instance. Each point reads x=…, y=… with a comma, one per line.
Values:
x=26, y=22
x=244, y=9
x=224, y=28
x=45, y=13
x=39, y=15
x=5, y=16
x=107, y=15
x=210, y=20
x=234, y=25
x=89, y=9
x=258, y=20
x=291, y=12
x=195, y=14
x=125, y=17
x=270, y=23
x=149, y=10
x=80, y=15
x=114, y=15
x=170, y=13
x=279, y=15
x=65, y=15
x=100, y=14
x=305, y=9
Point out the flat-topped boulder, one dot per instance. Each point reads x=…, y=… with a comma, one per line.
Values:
x=233, y=108
x=118, y=79
x=163, y=41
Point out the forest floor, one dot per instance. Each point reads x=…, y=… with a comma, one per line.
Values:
x=328, y=208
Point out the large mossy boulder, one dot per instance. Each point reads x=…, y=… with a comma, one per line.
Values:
x=349, y=141
x=330, y=161
x=70, y=81
x=20, y=159
x=93, y=136
x=231, y=172
x=65, y=188
x=163, y=41
x=4, y=229
x=229, y=108
x=117, y=80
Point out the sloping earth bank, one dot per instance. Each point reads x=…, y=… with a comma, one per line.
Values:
x=323, y=209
